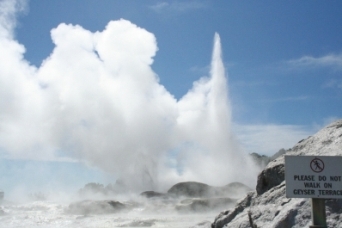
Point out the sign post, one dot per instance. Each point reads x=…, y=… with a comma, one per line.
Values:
x=315, y=177
x=318, y=213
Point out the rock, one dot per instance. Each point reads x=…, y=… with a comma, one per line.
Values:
x=190, y=189
x=269, y=178
x=260, y=160
x=152, y=194
x=96, y=207
x=263, y=160
x=200, y=190
x=268, y=206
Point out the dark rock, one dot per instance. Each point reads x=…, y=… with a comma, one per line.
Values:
x=200, y=190
x=190, y=189
x=152, y=194
x=269, y=178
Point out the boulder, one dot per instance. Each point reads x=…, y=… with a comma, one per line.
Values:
x=200, y=190
x=190, y=189
x=270, y=178
x=268, y=206
x=152, y=194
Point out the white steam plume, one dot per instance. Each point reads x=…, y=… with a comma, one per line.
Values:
x=97, y=99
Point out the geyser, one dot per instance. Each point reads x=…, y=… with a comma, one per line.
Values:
x=97, y=100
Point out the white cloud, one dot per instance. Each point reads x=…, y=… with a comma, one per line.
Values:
x=333, y=61
x=103, y=104
x=178, y=6
x=9, y=10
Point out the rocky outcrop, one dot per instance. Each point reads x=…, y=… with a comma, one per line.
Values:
x=270, y=178
x=190, y=189
x=196, y=197
x=199, y=190
x=182, y=197
x=260, y=160
x=263, y=160
x=268, y=206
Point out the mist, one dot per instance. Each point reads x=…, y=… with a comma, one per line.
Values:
x=96, y=99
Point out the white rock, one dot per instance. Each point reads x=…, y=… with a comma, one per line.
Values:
x=268, y=206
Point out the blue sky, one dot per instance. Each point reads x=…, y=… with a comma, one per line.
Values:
x=264, y=45
x=283, y=65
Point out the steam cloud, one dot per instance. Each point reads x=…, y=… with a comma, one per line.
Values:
x=96, y=99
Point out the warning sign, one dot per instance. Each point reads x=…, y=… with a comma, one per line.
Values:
x=313, y=176
x=317, y=165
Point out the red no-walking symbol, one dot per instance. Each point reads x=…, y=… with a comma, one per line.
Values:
x=317, y=165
